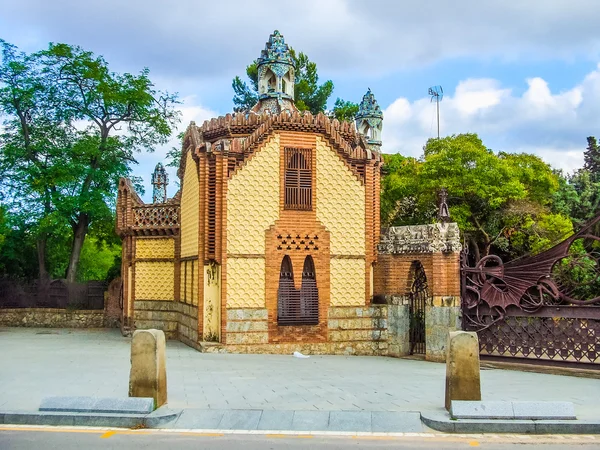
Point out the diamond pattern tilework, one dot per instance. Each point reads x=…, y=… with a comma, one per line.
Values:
x=253, y=201
x=155, y=248
x=340, y=202
x=154, y=281
x=190, y=202
x=347, y=282
x=245, y=283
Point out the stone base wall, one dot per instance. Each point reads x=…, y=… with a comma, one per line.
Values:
x=398, y=329
x=361, y=329
x=356, y=348
x=177, y=320
x=247, y=326
x=438, y=322
x=51, y=318
x=351, y=331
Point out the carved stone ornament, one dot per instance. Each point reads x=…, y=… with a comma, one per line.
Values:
x=432, y=238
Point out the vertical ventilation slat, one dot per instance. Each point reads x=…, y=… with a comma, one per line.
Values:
x=298, y=179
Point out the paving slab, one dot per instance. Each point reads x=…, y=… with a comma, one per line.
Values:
x=310, y=421
x=240, y=420
x=205, y=385
x=127, y=405
x=276, y=420
x=350, y=421
x=199, y=419
x=463, y=409
x=396, y=422
x=544, y=410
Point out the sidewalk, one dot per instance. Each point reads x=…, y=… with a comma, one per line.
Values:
x=38, y=363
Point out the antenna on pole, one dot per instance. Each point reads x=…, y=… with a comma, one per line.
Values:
x=437, y=93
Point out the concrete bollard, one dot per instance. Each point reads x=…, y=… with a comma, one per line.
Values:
x=148, y=376
x=462, y=367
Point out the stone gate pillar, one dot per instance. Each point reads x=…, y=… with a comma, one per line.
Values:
x=436, y=248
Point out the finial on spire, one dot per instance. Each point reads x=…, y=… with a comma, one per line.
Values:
x=369, y=119
x=443, y=213
x=160, y=180
x=276, y=77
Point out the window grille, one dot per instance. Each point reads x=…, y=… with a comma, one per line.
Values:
x=297, y=307
x=298, y=179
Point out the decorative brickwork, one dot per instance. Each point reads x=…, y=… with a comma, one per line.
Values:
x=347, y=282
x=154, y=281
x=188, y=288
x=340, y=202
x=253, y=201
x=189, y=203
x=152, y=248
x=245, y=282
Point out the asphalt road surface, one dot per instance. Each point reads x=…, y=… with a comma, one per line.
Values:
x=49, y=438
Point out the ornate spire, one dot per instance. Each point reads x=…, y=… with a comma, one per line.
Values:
x=369, y=119
x=443, y=213
x=160, y=180
x=276, y=77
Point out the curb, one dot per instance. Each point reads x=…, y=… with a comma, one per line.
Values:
x=155, y=419
x=441, y=422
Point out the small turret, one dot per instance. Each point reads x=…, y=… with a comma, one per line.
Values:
x=369, y=120
x=276, y=77
x=160, y=180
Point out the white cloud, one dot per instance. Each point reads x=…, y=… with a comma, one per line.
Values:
x=191, y=111
x=553, y=125
x=200, y=39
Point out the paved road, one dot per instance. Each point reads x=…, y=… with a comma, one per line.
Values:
x=57, y=439
x=46, y=362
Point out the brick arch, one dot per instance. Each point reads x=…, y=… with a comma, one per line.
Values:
x=394, y=274
x=416, y=267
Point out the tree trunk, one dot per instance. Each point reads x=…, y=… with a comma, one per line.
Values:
x=41, y=255
x=80, y=230
x=475, y=247
x=487, y=245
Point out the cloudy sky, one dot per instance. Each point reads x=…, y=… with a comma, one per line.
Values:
x=524, y=75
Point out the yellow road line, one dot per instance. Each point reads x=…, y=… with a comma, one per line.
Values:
x=474, y=444
x=107, y=434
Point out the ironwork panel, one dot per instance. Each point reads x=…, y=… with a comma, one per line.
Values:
x=418, y=296
x=544, y=307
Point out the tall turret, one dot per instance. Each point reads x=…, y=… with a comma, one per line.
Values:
x=369, y=120
x=276, y=76
x=160, y=180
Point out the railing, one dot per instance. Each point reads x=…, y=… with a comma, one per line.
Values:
x=51, y=294
x=156, y=216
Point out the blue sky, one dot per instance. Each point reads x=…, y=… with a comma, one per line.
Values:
x=524, y=75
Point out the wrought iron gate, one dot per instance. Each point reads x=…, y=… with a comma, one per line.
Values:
x=418, y=297
x=543, y=308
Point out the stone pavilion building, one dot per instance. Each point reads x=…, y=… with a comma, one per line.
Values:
x=271, y=244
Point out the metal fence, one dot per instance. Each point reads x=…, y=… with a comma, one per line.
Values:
x=51, y=294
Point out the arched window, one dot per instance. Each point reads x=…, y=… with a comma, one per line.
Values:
x=297, y=307
x=298, y=179
x=309, y=294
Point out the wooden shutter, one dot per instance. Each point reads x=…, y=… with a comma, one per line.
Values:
x=298, y=179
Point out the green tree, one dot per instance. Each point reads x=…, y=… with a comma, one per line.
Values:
x=309, y=95
x=102, y=119
x=344, y=110
x=32, y=143
x=491, y=196
x=591, y=157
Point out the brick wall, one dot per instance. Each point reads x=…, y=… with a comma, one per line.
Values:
x=393, y=275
